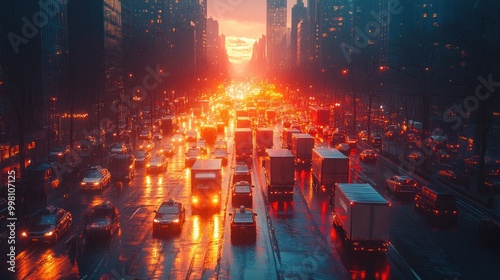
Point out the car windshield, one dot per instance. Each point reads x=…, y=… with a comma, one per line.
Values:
x=101, y=213
x=156, y=160
x=94, y=175
x=242, y=189
x=141, y=154
x=245, y=217
x=46, y=220
x=193, y=152
x=168, y=209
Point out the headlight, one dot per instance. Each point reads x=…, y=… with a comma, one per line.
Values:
x=49, y=233
x=156, y=221
x=215, y=200
x=82, y=183
x=96, y=183
x=24, y=234
x=194, y=199
x=148, y=165
x=175, y=221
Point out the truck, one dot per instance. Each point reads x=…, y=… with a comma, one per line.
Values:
x=363, y=215
x=271, y=117
x=279, y=171
x=328, y=166
x=206, y=185
x=302, y=146
x=263, y=140
x=209, y=132
x=320, y=117
x=168, y=125
x=122, y=167
x=287, y=137
x=243, y=122
x=243, y=142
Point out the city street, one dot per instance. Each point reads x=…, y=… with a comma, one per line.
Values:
x=295, y=240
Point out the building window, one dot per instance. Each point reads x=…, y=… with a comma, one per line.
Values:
x=434, y=15
x=425, y=15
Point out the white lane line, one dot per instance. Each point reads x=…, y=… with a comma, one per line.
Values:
x=412, y=271
x=134, y=213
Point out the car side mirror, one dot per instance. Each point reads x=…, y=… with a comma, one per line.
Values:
x=255, y=214
x=253, y=186
x=230, y=214
x=155, y=211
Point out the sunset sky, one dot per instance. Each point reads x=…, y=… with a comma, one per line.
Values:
x=243, y=22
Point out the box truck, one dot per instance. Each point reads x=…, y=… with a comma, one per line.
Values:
x=329, y=166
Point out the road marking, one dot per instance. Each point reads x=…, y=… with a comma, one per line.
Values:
x=411, y=270
x=134, y=213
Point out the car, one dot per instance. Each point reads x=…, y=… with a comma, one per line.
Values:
x=343, y=148
x=170, y=216
x=147, y=145
x=368, y=155
x=102, y=221
x=416, y=157
x=191, y=135
x=48, y=226
x=220, y=144
x=157, y=136
x=221, y=154
x=242, y=194
x=58, y=154
x=158, y=163
x=363, y=135
x=96, y=178
x=122, y=166
x=168, y=149
x=491, y=185
x=145, y=135
x=118, y=148
x=242, y=173
x=202, y=145
x=191, y=156
x=337, y=138
x=438, y=206
x=401, y=185
x=243, y=226
x=454, y=177
x=352, y=141
x=376, y=141
x=177, y=139
x=389, y=135
x=442, y=156
x=181, y=130
x=142, y=157
x=452, y=148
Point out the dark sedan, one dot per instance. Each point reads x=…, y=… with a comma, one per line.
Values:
x=242, y=194
x=170, y=216
x=48, y=226
x=102, y=222
x=243, y=226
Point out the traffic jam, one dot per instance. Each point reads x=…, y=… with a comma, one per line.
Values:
x=245, y=184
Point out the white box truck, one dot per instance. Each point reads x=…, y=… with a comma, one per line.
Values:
x=302, y=146
x=279, y=174
x=363, y=215
x=329, y=166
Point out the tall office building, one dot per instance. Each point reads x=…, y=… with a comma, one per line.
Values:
x=276, y=34
x=298, y=15
x=95, y=60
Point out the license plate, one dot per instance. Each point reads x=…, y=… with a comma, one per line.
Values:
x=164, y=226
x=242, y=227
x=34, y=239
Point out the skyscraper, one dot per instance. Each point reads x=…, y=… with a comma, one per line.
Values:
x=298, y=14
x=276, y=34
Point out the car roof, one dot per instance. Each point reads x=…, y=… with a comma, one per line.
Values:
x=400, y=177
x=243, y=215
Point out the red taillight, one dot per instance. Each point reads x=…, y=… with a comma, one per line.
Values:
x=436, y=212
x=454, y=211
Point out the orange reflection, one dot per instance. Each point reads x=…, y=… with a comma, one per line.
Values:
x=196, y=227
x=216, y=227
